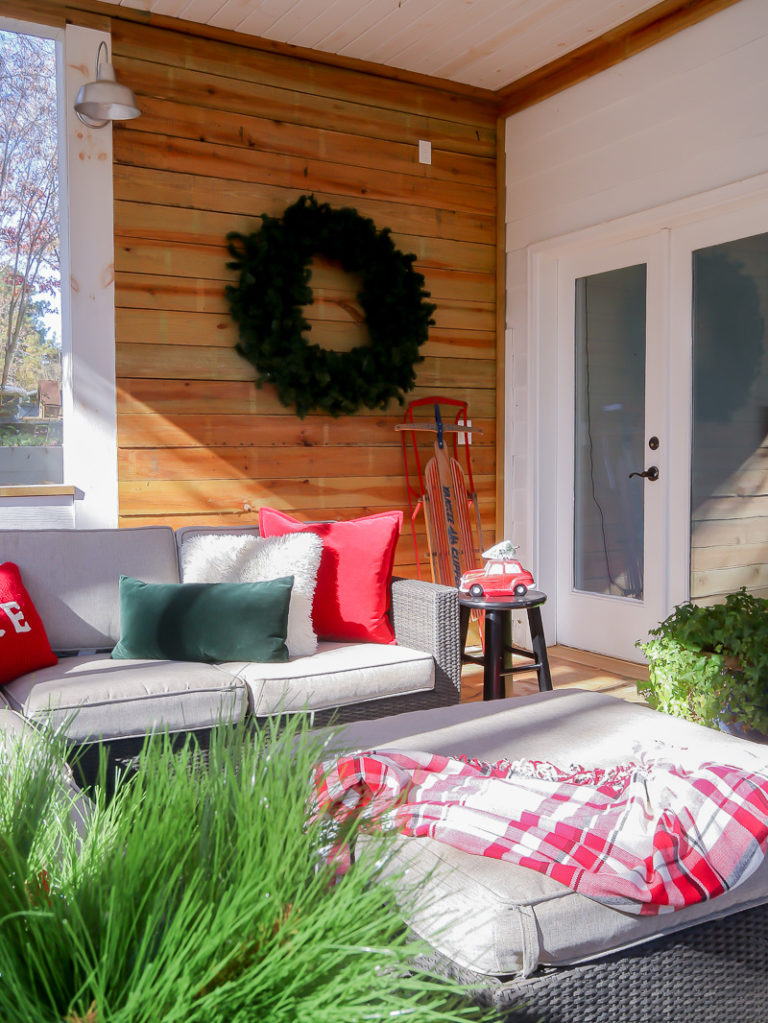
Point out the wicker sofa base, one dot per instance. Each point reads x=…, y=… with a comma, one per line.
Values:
x=710, y=973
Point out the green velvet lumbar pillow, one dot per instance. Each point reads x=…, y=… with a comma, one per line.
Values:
x=206, y=622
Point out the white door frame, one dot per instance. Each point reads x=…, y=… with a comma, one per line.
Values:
x=693, y=222
x=594, y=621
x=553, y=362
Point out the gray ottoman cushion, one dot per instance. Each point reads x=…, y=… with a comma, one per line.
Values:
x=499, y=918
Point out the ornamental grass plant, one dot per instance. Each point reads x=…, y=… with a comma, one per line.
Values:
x=198, y=892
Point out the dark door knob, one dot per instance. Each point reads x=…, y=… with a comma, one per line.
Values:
x=651, y=474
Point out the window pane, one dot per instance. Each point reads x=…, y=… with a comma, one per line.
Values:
x=30, y=327
x=729, y=520
x=609, y=432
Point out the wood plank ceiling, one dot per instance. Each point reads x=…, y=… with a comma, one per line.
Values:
x=482, y=43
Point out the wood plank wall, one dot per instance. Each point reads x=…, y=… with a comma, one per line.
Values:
x=232, y=127
x=228, y=132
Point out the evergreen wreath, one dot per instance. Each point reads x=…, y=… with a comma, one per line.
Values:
x=274, y=264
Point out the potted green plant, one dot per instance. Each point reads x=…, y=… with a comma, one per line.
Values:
x=709, y=664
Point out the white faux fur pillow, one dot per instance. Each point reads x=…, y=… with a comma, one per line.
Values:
x=229, y=558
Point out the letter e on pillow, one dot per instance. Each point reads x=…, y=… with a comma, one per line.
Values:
x=16, y=615
x=24, y=644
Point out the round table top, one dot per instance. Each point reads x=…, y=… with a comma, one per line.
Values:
x=533, y=598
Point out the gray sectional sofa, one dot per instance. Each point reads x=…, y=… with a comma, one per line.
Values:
x=72, y=577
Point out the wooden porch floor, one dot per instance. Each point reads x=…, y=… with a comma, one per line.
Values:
x=570, y=669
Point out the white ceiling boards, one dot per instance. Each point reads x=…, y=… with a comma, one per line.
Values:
x=483, y=43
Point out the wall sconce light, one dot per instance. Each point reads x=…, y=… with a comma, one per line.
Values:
x=102, y=101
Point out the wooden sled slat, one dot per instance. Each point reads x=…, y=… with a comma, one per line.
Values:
x=443, y=493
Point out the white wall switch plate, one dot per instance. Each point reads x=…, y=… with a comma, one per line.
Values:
x=425, y=151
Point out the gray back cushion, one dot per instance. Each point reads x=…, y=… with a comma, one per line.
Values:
x=185, y=533
x=72, y=576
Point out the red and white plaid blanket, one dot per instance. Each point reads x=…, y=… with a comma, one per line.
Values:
x=648, y=837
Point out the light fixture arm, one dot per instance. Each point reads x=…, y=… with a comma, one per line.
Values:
x=104, y=100
x=103, y=45
x=89, y=122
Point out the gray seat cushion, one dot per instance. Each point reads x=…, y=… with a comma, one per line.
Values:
x=499, y=918
x=94, y=697
x=336, y=675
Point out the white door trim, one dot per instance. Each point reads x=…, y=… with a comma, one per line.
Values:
x=90, y=438
x=611, y=624
x=709, y=217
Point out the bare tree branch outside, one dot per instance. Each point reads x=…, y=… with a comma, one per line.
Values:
x=30, y=278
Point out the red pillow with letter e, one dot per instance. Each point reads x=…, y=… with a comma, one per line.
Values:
x=352, y=593
x=24, y=645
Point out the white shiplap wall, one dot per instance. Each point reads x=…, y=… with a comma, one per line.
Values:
x=688, y=116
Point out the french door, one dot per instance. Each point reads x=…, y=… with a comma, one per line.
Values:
x=612, y=467
x=723, y=261
x=653, y=455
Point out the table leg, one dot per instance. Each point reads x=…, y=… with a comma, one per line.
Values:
x=539, y=647
x=493, y=680
x=463, y=627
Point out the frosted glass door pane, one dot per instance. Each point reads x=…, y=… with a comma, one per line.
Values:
x=609, y=432
x=729, y=507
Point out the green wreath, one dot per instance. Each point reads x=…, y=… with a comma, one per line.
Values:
x=274, y=264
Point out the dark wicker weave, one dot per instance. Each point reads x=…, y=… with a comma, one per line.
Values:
x=715, y=972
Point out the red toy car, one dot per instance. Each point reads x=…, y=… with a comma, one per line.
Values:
x=502, y=576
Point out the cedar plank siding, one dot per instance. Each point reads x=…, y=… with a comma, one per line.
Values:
x=229, y=131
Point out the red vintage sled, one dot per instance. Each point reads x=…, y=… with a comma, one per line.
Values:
x=441, y=489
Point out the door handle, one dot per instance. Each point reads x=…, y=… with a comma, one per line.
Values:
x=651, y=474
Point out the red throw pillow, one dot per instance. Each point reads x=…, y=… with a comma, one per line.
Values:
x=24, y=645
x=352, y=592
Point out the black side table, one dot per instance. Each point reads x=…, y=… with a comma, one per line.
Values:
x=495, y=648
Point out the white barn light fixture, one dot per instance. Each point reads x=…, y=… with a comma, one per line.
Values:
x=104, y=100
